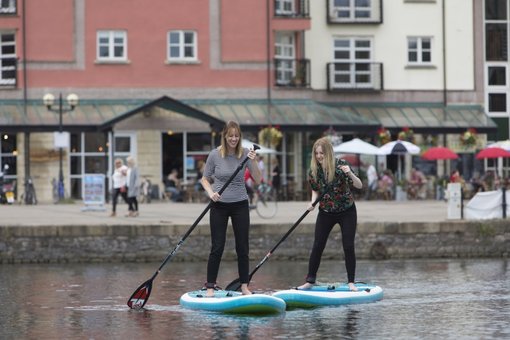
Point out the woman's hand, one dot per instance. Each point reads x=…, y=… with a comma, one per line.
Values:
x=346, y=169
x=215, y=197
x=252, y=154
x=310, y=206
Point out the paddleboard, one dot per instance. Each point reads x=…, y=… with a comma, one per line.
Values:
x=329, y=295
x=233, y=302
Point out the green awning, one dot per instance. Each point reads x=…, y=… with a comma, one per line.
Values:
x=290, y=115
x=424, y=117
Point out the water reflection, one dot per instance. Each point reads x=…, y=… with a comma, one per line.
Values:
x=422, y=299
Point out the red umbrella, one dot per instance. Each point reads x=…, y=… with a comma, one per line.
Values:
x=492, y=153
x=439, y=152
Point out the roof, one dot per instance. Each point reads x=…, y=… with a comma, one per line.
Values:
x=424, y=117
x=289, y=114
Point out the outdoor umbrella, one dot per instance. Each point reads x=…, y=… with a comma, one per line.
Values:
x=358, y=147
x=399, y=147
x=248, y=144
x=504, y=144
x=439, y=152
x=492, y=152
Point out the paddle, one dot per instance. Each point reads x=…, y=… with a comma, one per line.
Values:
x=139, y=298
x=236, y=284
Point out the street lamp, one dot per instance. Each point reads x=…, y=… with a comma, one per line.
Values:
x=72, y=101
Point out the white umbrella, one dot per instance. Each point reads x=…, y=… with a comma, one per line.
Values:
x=249, y=144
x=399, y=147
x=504, y=144
x=357, y=146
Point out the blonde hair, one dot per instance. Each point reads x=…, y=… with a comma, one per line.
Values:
x=329, y=159
x=226, y=129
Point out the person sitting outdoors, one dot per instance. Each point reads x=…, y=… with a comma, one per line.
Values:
x=172, y=186
x=417, y=188
x=385, y=185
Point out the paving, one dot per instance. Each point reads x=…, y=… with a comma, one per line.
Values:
x=170, y=213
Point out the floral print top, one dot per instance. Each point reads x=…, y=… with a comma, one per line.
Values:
x=337, y=199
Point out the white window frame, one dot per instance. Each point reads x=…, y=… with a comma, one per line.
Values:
x=3, y=67
x=10, y=8
x=420, y=50
x=111, y=44
x=284, y=7
x=285, y=51
x=351, y=8
x=352, y=72
x=497, y=89
x=181, y=46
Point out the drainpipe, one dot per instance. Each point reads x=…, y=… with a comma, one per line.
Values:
x=445, y=100
x=26, y=135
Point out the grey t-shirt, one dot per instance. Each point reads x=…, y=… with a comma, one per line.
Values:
x=220, y=169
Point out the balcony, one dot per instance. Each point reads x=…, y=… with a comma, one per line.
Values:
x=292, y=72
x=8, y=72
x=355, y=76
x=364, y=12
x=292, y=8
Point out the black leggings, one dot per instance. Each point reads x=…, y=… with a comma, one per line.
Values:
x=116, y=193
x=239, y=212
x=323, y=226
x=133, y=203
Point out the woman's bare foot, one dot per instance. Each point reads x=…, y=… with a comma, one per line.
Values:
x=245, y=290
x=307, y=285
x=210, y=292
x=353, y=287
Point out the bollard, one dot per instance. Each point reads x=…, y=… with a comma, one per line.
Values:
x=504, y=201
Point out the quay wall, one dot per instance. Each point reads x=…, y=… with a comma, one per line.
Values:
x=148, y=243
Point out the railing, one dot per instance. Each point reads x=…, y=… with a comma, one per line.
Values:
x=8, y=72
x=355, y=76
x=355, y=14
x=292, y=8
x=292, y=72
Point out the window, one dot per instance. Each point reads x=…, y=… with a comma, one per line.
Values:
x=7, y=59
x=352, y=67
x=497, y=102
x=284, y=7
x=182, y=46
x=495, y=9
x=7, y=6
x=352, y=9
x=497, y=76
x=112, y=46
x=496, y=40
x=419, y=50
x=285, y=56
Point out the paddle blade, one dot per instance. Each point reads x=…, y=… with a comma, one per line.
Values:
x=234, y=285
x=140, y=296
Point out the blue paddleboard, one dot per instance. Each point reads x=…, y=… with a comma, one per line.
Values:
x=329, y=295
x=233, y=302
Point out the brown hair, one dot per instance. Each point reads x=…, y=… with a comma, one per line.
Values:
x=226, y=129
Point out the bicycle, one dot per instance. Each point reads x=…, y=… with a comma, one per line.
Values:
x=29, y=197
x=265, y=201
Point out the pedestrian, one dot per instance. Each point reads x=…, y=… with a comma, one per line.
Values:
x=133, y=187
x=119, y=182
x=233, y=202
x=276, y=173
x=372, y=179
x=334, y=177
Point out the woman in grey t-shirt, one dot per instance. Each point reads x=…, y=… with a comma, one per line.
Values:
x=233, y=203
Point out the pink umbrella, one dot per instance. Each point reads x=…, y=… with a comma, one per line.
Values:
x=494, y=152
x=439, y=152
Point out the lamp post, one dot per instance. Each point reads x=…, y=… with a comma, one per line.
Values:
x=72, y=101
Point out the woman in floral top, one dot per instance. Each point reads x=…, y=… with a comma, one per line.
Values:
x=334, y=177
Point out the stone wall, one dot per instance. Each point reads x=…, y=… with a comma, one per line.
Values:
x=53, y=244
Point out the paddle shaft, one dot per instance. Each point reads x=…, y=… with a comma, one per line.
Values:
x=294, y=226
x=193, y=226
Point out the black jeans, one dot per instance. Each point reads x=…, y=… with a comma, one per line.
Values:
x=323, y=226
x=220, y=212
x=116, y=193
x=133, y=203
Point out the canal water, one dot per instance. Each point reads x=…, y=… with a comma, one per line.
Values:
x=423, y=299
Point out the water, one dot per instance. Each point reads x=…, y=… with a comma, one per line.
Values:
x=424, y=299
